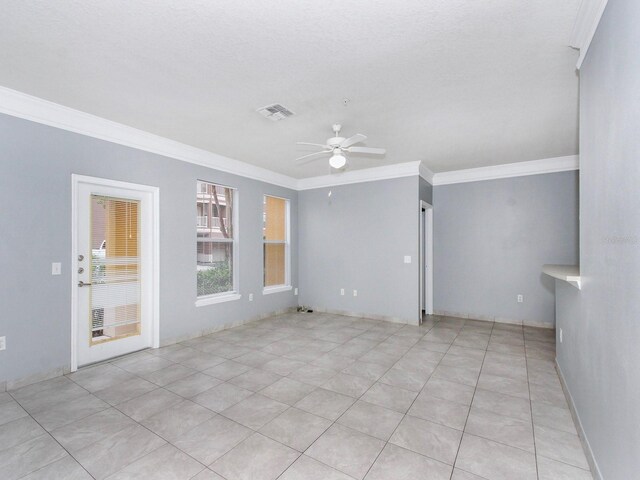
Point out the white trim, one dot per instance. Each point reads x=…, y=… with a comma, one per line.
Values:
x=37, y=110
x=425, y=172
x=287, y=247
x=276, y=289
x=155, y=201
x=586, y=445
x=154, y=302
x=519, y=169
x=213, y=299
x=385, y=172
x=428, y=237
x=568, y=273
x=25, y=106
x=234, y=241
x=74, y=273
x=589, y=16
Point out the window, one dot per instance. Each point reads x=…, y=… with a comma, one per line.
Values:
x=216, y=240
x=276, y=244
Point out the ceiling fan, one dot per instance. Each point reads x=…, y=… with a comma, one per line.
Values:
x=337, y=146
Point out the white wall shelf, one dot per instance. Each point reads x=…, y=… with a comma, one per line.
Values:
x=568, y=273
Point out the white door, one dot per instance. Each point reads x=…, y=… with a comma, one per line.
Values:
x=114, y=269
x=425, y=293
x=422, y=265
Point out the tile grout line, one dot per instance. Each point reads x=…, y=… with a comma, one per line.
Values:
x=359, y=398
x=315, y=387
x=53, y=438
x=334, y=422
x=475, y=389
x=404, y=415
x=289, y=406
x=533, y=428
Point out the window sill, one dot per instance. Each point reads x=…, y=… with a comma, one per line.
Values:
x=201, y=302
x=276, y=289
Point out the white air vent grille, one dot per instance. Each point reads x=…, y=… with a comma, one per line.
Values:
x=275, y=112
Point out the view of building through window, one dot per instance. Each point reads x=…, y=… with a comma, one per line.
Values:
x=215, y=234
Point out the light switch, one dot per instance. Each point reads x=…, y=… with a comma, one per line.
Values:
x=407, y=259
x=56, y=268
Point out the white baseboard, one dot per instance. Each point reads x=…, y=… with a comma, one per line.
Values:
x=226, y=326
x=488, y=318
x=586, y=446
x=64, y=370
x=371, y=316
x=36, y=377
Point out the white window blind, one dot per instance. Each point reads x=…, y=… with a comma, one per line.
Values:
x=276, y=241
x=115, y=268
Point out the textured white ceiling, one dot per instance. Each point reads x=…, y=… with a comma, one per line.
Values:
x=455, y=83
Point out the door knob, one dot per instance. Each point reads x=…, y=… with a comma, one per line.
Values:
x=82, y=284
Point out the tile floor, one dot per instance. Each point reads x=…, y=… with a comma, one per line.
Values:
x=306, y=397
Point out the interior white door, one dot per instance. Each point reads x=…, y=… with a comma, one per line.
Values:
x=425, y=295
x=114, y=228
x=423, y=255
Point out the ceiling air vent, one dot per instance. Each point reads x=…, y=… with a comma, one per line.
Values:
x=275, y=112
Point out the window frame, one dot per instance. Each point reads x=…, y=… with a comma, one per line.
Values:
x=234, y=293
x=286, y=286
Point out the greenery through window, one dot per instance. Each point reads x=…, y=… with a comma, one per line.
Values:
x=215, y=239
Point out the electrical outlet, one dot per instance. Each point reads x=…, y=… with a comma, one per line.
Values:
x=342, y=291
x=251, y=297
x=56, y=268
x=355, y=293
x=560, y=335
x=3, y=343
x=520, y=298
x=295, y=291
x=407, y=259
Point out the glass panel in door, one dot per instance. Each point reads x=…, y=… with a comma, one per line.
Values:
x=114, y=311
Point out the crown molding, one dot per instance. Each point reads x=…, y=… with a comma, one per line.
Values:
x=426, y=173
x=519, y=169
x=385, y=172
x=587, y=21
x=42, y=111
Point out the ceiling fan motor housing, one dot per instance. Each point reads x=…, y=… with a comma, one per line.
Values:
x=335, y=141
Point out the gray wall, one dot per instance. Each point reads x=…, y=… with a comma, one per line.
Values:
x=357, y=239
x=600, y=358
x=491, y=239
x=425, y=191
x=36, y=163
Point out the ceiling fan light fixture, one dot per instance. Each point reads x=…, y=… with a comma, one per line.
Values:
x=338, y=161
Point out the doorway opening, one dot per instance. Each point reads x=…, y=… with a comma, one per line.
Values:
x=425, y=293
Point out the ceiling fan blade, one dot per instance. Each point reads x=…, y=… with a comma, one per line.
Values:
x=305, y=158
x=312, y=144
x=369, y=150
x=357, y=138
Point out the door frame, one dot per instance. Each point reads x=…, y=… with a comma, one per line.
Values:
x=153, y=299
x=425, y=234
